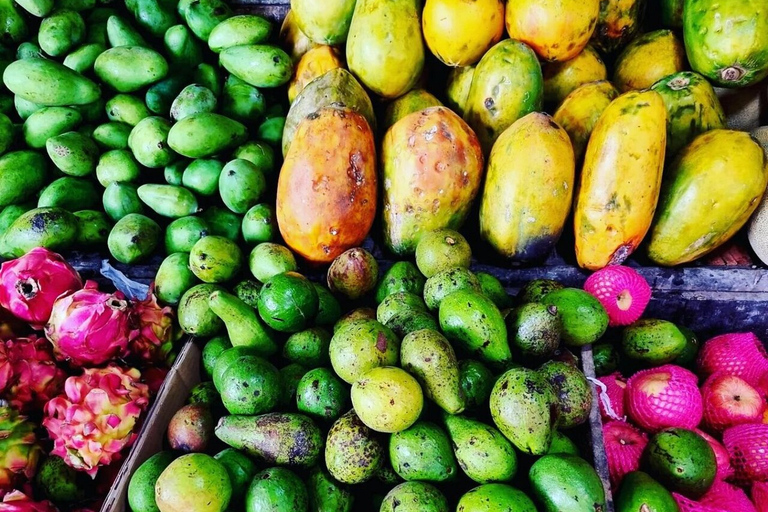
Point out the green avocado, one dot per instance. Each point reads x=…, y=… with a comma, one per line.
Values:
x=566, y=483
x=653, y=342
x=641, y=493
x=584, y=318
x=682, y=461
x=423, y=452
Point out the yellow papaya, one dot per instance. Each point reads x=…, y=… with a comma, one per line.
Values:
x=457, y=88
x=528, y=188
x=618, y=23
x=432, y=167
x=459, y=32
x=292, y=39
x=648, y=59
x=316, y=62
x=620, y=180
x=507, y=85
x=326, y=192
x=408, y=103
x=709, y=193
x=562, y=78
x=325, y=22
x=555, y=29
x=581, y=109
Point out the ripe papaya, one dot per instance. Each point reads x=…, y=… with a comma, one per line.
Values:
x=647, y=59
x=325, y=22
x=562, y=78
x=621, y=178
x=292, y=39
x=459, y=32
x=581, y=109
x=432, y=167
x=727, y=42
x=326, y=192
x=555, y=29
x=507, y=85
x=709, y=193
x=316, y=62
x=529, y=188
x=618, y=23
x=692, y=108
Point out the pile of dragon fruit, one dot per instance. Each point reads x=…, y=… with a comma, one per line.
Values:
x=78, y=367
x=723, y=397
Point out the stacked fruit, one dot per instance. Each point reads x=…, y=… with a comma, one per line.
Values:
x=80, y=380
x=663, y=426
x=129, y=123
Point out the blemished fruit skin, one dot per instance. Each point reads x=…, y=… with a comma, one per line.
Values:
x=613, y=215
x=581, y=109
x=573, y=392
x=321, y=222
x=432, y=167
x=313, y=64
x=728, y=401
x=641, y=493
x=720, y=177
x=618, y=23
x=555, y=29
x=459, y=32
x=387, y=399
x=682, y=461
x=647, y=59
x=495, y=498
x=722, y=45
x=562, y=78
x=624, y=445
x=534, y=154
x=414, y=497
x=193, y=481
x=353, y=452
x=652, y=342
x=664, y=397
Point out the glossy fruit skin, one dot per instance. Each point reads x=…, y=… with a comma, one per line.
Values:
x=534, y=154
x=339, y=184
x=720, y=177
x=647, y=59
x=316, y=62
x=562, y=78
x=459, y=32
x=612, y=216
x=580, y=110
x=722, y=45
x=555, y=29
x=682, y=460
x=566, y=482
x=618, y=23
x=641, y=492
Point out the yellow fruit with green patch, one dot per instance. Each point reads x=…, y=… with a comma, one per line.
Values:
x=562, y=78
x=316, y=62
x=579, y=112
x=647, y=59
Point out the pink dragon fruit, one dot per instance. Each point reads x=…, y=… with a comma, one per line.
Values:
x=664, y=397
x=96, y=416
x=728, y=497
x=748, y=447
x=155, y=330
x=759, y=493
x=613, y=397
x=35, y=378
x=624, y=445
x=739, y=354
x=724, y=468
x=90, y=327
x=31, y=284
x=19, y=451
x=17, y=501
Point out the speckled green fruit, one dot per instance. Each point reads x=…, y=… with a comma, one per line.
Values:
x=353, y=273
x=195, y=317
x=215, y=259
x=240, y=468
x=414, y=497
x=584, y=318
x=174, y=278
x=353, y=316
x=574, y=394
x=321, y=394
x=403, y=276
x=308, y=348
x=484, y=454
x=408, y=321
x=268, y=259
x=53, y=228
x=259, y=224
x=387, y=399
x=495, y=498
x=225, y=360
x=423, y=452
x=134, y=238
x=205, y=394
x=326, y=494
x=141, y=488
x=494, y=290
x=353, y=452
x=476, y=382
x=288, y=302
x=537, y=289
x=250, y=386
x=359, y=346
x=440, y=250
x=444, y=283
x=682, y=461
x=244, y=328
x=73, y=153
x=652, y=342
x=277, y=489
x=606, y=358
x=213, y=348
x=193, y=482
x=566, y=482
x=534, y=329
x=59, y=482
x=247, y=291
x=397, y=303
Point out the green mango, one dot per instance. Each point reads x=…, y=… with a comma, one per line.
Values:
x=308, y=348
x=239, y=30
x=29, y=50
x=259, y=224
x=406, y=322
x=193, y=99
x=202, y=176
x=117, y=165
x=70, y=194
x=288, y=302
x=429, y=357
x=422, y=452
x=326, y=494
x=133, y=238
x=440, y=250
x=183, y=50
x=534, y=329
x=206, y=134
x=385, y=49
x=168, y=200
x=93, y=228
x=682, y=460
x=403, y=276
x=73, y=154
x=126, y=108
x=182, y=234
x=324, y=24
x=22, y=175
x=149, y=142
x=414, y=497
x=247, y=291
x=14, y=27
x=271, y=130
x=96, y=24
x=209, y=77
x=153, y=16
x=476, y=382
x=121, y=33
x=476, y=325
x=250, y=386
x=277, y=485
x=241, y=470
x=652, y=342
x=321, y=394
x=524, y=408
x=214, y=348
x=259, y=154
x=195, y=317
x=328, y=308
x=444, y=283
x=483, y=453
x=222, y=222
x=361, y=345
x=584, y=318
x=259, y=65
x=25, y=108
x=286, y=439
x=494, y=498
x=49, y=83
x=242, y=101
x=61, y=32
x=10, y=213
x=112, y=135
x=52, y=228
x=241, y=185
x=121, y=199
x=58, y=481
x=290, y=376
x=141, y=488
x=76, y=5
x=574, y=393
x=83, y=58
x=204, y=15
x=130, y=68
x=640, y=492
x=91, y=112
x=215, y=259
x=174, y=172
x=38, y=8
x=244, y=328
x=494, y=290
x=562, y=444
x=353, y=452
x=566, y=482
x=160, y=96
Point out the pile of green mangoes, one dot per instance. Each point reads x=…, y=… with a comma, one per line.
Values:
x=118, y=120
x=425, y=387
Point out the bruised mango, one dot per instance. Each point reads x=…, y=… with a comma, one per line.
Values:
x=408, y=103
x=555, y=29
x=579, y=112
x=562, y=78
x=647, y=59
x=529, y=188
x=326, y=193
x=459, y=32
x=621, y=179
x=316, y=62
x=432, y=169
x=712, y=189
x=618, y=23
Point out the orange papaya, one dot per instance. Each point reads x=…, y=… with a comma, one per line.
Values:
x=581, y=109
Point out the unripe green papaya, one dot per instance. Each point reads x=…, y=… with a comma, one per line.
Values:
x=239, y=30
x=49, y=122
x=168, y=200
x=49, y=83
x=69, y=193
x=260, y=65
x=73, y=153
x=83, y=58
x=121, y=199
x=61, y=32
x=149, y=142
x=206, y=134
x=121, y=33
x=130, y=68
x=22, y=175
x=53, y=228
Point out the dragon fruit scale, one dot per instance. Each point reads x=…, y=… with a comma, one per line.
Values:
x=155, y=330
x=89, y=327
x=34, y=377
x=96, y=417
x=17, y=501
x=30, y=285
x=19, y=451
